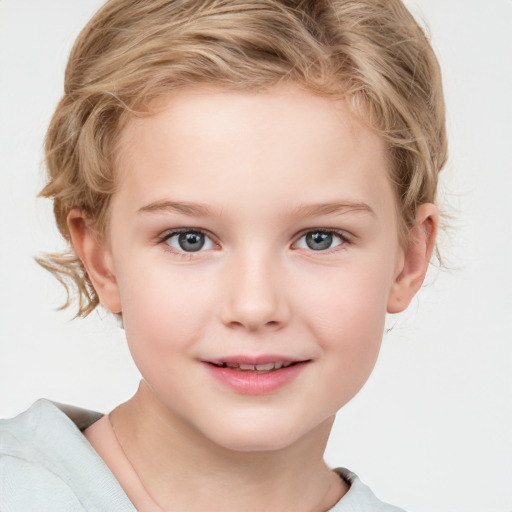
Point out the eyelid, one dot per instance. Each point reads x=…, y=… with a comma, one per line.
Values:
x=343, y=235
x=168, y=234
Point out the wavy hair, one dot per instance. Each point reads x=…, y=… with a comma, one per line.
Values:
x=131, y=53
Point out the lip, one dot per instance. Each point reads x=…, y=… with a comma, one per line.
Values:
x=249, y=382
x=259, y=359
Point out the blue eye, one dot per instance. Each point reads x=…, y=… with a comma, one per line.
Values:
x=320, y=240
x=189, y=241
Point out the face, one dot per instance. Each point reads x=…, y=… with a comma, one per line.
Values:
x=253, y=242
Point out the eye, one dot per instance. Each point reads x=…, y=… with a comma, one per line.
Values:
x=320, y=240
x=188, y=241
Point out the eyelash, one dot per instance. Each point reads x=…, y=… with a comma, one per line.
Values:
x=344, y=240
x=163, y=239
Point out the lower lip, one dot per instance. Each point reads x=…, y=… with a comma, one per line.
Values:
x=253, y=382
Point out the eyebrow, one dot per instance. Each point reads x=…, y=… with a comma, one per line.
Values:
x=303, y=210
x=313, y=210
x=185, y=208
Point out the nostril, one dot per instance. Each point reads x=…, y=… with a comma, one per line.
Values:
x=254, y=312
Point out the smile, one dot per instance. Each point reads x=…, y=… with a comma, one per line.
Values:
x=268, y=367
x=256, y=376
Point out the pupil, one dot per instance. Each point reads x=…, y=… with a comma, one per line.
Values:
x=319, y=241
x=191, y=242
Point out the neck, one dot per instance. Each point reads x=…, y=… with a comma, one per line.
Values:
x=182, y=470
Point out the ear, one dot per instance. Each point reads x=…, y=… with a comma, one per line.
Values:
x=420, y=244
x=96, y=258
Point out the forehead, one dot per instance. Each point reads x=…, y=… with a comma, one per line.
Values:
x=282, y=139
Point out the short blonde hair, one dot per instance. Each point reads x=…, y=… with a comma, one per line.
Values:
x=371, y=52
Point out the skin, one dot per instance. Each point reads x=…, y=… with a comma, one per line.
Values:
x=262, y=167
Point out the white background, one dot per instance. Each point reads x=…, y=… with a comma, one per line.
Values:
x=432, y=429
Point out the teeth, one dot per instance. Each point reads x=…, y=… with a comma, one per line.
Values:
x=265, y=367
x=257, y=367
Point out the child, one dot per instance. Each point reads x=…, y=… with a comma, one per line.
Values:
x=249, y=185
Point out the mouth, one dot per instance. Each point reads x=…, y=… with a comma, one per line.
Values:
x=261, y=375
x=258, y=368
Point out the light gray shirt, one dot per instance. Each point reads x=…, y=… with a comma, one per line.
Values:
x=46, y=464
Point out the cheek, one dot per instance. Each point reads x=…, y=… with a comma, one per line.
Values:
x=351, y=302
x=347, y=317
x=164, y=310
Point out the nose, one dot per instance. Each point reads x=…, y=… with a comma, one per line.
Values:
x=255, y=295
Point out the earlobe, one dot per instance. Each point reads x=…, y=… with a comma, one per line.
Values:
x=96, y=259
x=421, y=241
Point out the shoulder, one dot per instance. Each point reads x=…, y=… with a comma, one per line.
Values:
x=46, y=434
x=360, y=497
x=47, y=464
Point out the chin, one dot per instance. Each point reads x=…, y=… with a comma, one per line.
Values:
x=268, y=443
x=257, y=437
